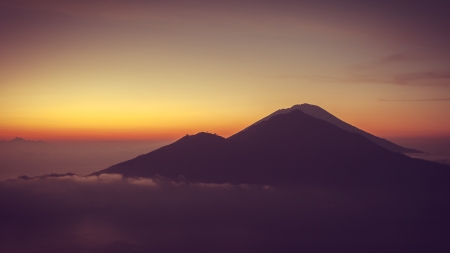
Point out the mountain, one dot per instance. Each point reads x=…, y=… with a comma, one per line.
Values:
x=288, y=148
x=322, y=114
x=18, y=140
x=22, y=143
x=44, y=176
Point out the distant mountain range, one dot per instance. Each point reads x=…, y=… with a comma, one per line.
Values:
x=20, y=141
x=289, y=147
x=44, y=176
x=23, y=145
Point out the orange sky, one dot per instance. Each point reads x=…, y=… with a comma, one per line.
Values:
x=148, y=70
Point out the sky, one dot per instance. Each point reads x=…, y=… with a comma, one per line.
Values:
x=158, y=70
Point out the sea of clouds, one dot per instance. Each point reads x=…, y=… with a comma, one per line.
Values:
x=108, y=213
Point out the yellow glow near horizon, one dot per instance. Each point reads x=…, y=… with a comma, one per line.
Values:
x=158, y=75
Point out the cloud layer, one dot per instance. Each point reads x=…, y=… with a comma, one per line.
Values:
x=111, y=214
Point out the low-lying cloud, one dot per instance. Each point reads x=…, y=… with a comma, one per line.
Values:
x=108, y=213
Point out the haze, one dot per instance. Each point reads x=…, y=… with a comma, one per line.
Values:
x=133, y=70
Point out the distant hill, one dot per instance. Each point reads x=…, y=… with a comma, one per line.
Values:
x=322, y=114
x=44, y=176
x=287, y=148
x=22, y=143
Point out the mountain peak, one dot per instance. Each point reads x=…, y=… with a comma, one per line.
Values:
x=201, y=137
x=310, y=109
x=320, y=113
x=306, y=106
x=19, y=142
x=291, y=147
x=18, y=139
x=313, y=110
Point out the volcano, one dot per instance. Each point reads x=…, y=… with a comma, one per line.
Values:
x=322, y=114
x=291, y=147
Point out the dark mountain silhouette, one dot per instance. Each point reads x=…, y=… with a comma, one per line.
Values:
x=322, y=114
x=288, y=148
x=18, y=140
x=51, y=175
x=21, y=143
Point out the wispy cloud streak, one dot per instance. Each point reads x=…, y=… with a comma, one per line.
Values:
x=417, y=100
x=398, y=58
x=409, y=78
x=419, y=78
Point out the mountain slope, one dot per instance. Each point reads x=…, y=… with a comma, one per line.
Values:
x=191, y=156
x=322, y=114
x=289, y=148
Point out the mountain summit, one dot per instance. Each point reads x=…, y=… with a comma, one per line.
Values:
x=322, y=114
x=287, y=148
x=18, y=139
x=22, y=143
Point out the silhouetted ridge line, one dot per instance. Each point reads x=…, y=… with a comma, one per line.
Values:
x=19, y=140
x=201, y=137
x=320, y=113
x=288, y=148
x=51, y=175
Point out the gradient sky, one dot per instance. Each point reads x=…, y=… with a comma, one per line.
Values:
x=139, y=69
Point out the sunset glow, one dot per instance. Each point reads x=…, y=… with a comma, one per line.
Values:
x=150, y=70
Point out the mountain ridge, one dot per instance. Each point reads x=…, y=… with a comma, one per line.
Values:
x=289, y=148
x=21, y=141
x=322, y=114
